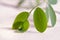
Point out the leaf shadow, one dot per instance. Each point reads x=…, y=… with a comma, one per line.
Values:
x=32, y=32
x=26, y=31
x=6, y=28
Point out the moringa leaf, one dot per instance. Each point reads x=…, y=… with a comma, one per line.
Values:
x=24, y=27
x=17, y=25
x=20, y=19
x=20, y=2
x=21, y=26
x=52, y=1
x=52, y=15
x=47, y=13
x=40, y=20
x=37, y=1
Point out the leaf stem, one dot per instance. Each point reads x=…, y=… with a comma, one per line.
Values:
x=33, y=8
x=20, y=2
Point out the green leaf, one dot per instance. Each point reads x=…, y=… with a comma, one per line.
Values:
x=20, y=2
x=24, y=27
x=40, y=20
x=47, y=14
x=37, y=1
x=17, y=25
x=21, y=26
x=22, y=17
x=52, y=1
x=52, y=14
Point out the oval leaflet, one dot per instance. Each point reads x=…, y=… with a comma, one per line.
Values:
x=40, y=20
x=51, y=14
x=21, y=23
x=52, y=1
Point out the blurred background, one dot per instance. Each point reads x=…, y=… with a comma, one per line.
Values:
x=8, y=11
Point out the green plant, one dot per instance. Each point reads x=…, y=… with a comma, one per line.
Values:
x=40, y=17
